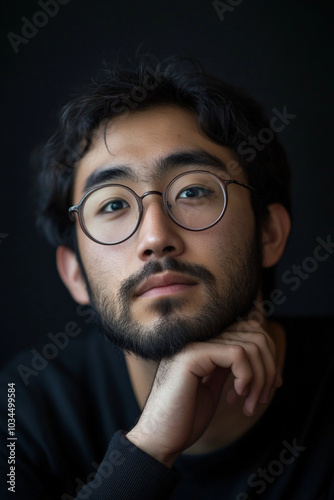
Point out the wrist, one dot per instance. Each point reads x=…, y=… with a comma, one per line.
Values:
x=151, y=446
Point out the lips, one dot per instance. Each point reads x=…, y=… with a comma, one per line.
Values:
x=165, y=283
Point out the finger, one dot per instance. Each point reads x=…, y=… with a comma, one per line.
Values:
x=200, y=360
x=263, y=368
x=250, y=327
x=232, y=356
x=259, y=378
x=269, y=364
x=232, y=396
x=255, y=327
x=216, y=381
x=268, y=355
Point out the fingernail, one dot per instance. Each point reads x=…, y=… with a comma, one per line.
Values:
x=251, y=412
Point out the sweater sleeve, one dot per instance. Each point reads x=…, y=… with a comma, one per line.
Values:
x=65, y=414
x=128, y=473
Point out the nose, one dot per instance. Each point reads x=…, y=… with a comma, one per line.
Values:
x=158, y=235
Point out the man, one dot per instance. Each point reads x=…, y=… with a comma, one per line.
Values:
x=166, y=224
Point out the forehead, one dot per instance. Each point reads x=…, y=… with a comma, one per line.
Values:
x=140, y=140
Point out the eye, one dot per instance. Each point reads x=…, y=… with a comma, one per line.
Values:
x=114, y=206
x=194, y=192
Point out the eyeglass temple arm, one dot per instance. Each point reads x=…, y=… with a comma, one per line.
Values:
x=71, y=211
x=232, y=181
x=75, y=208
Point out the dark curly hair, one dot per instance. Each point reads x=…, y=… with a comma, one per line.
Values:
x=226, y=114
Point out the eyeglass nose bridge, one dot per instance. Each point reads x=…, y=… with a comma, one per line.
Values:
x=150, y=192
x=159, y=193
x=167, y=207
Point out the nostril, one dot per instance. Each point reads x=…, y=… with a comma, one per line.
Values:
x=169, y=249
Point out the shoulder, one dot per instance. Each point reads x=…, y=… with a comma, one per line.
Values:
x=53, y=381
x=67, y=400
x=61, y=358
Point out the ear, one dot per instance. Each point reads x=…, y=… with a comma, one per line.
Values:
x=275, y=232
x=70, y=272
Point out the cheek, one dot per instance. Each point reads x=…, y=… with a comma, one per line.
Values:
x=239, y=220
x=105, y=266
x=222, y=240
x=227, y=232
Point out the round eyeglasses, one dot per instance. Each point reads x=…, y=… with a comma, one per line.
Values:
x=194, y=200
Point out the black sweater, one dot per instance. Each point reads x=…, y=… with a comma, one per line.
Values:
x=71, y=411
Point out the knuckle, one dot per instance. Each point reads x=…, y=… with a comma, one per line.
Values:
x=249, y=378
x=253, y=348
x=261, y=338
x=237, y=350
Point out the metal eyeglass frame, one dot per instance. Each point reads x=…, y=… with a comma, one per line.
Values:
x=80, y=206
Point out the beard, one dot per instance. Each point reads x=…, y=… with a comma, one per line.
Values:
x=226, y=300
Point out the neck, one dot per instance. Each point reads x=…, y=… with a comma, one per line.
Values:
x=229, y=422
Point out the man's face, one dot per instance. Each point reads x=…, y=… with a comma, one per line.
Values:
x=166, y=286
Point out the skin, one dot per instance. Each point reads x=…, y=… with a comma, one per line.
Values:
x=210, y=393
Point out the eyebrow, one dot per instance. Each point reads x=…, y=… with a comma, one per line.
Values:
x=104, y=175
x=195, y=157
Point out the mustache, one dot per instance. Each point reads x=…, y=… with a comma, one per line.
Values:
x=201, y=273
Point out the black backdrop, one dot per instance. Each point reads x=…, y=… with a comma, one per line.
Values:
x=281, y=51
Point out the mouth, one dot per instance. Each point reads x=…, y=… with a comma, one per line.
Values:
x=167, y=283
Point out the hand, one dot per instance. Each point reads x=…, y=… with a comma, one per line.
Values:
x=188, y=386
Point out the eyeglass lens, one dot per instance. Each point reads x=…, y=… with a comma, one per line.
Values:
x=194, y=200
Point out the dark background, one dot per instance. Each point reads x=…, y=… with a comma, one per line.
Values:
x=281, y=51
